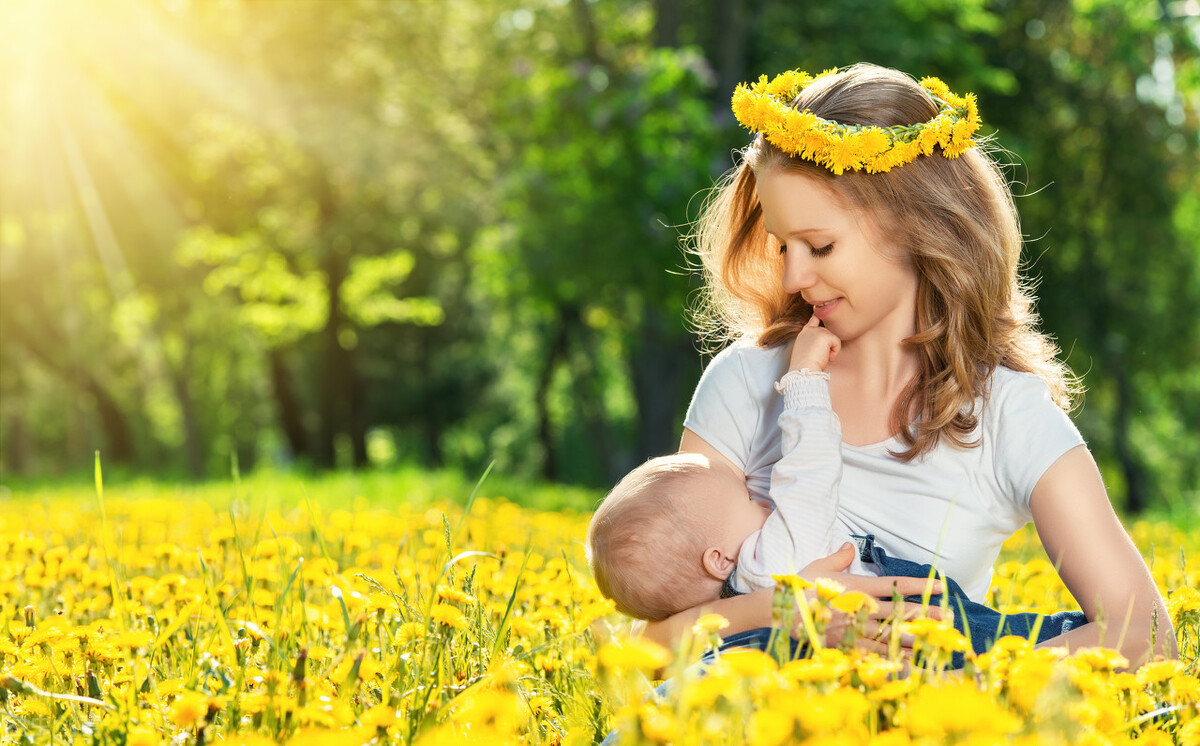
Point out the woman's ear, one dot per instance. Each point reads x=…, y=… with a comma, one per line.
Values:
x=718, y=564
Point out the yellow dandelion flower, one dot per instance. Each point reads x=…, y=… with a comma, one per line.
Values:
x=1185, y=690
x=1154, y=737
x=851, y=601
x=1027, y=677
x=658, y=725
x=454, y=595
x=140, y=735
x=937, y=88
x=960, y=139
x=873, y=141
x=748, y=662
x=541, y=706
x=1183, y=604
x=815, y=142
x=379, y=716
x=317, y=736
x=1158, y=671
x=709, y=624
x=829, y=589
x=410, y=632
x=449, y=616
x=705, y=691
x=524, y=628
x=874, y=671
x=636, y=653
x=1100, y=659
x=841, y=155
x=957, y=709
x=787, y=84
x=893, y=690
x=189, y=708
x=770, y=726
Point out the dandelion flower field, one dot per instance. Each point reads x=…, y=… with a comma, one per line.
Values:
x=157, y=617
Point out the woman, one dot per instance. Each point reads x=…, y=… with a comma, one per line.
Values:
x=865, y=193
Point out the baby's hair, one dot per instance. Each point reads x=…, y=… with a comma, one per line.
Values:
x=642, y=545
x=954, y=217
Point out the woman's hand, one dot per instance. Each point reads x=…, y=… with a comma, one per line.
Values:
x=876, y=634
x=834, y=567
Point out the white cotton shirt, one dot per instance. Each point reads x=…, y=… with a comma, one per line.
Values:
x=952, y=507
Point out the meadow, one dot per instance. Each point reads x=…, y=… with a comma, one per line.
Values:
x=415, y=609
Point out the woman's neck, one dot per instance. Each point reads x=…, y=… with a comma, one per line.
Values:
x=879, y=360
x=868, y=377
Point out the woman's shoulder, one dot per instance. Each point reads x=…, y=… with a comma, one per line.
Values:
x=753, y=359
x=1007, y=388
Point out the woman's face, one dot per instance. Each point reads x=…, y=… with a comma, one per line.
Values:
x=858, y=280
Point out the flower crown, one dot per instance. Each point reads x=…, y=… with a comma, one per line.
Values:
x=766, y=107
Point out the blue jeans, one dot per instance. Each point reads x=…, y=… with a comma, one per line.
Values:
x=981, y=624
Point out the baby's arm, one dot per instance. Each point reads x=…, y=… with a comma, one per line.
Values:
x=804, y=481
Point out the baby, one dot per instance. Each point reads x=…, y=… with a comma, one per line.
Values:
x=678, y=531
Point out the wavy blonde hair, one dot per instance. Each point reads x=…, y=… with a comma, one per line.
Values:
x=955, y=219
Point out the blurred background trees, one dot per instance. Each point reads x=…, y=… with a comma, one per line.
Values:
x=337, y=234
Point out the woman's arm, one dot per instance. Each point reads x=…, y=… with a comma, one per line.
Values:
x=1099, y=563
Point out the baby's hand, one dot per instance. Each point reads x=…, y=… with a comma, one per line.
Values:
x=814, y=347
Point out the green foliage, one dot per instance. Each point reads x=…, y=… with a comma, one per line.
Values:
x=458, y=225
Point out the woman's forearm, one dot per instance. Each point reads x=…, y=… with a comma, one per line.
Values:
x=1139, y=642
x=749, y=611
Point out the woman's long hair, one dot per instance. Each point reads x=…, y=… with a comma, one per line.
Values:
x=954, y=218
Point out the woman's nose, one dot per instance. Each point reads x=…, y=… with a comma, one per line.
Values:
x=798, y=273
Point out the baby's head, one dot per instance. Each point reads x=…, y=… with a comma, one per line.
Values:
x=668, y=535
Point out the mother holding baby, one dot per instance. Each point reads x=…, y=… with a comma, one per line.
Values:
x=951, y=401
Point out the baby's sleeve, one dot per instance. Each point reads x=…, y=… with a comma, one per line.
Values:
x=1031, y=433
x=724, y=411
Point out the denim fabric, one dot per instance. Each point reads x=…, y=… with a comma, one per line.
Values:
x=982, y=625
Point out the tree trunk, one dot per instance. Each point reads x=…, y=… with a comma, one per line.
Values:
x=666, y=23
x=729, y=51
x=357, y=406
x=558, y=348
x=333, y=379
x=587, y=29
x=287, y=404
x=16, y=445
x=1136, y=492
x=118, y=439
x=661, y=361
x=589, y=394
x=192, y=448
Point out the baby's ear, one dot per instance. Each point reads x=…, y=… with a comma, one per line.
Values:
x=718, y=564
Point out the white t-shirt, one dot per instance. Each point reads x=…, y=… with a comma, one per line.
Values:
x=951, y=508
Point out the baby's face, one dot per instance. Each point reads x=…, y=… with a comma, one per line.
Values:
x=725, y=506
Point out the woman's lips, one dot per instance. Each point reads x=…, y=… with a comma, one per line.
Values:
x=824, y=309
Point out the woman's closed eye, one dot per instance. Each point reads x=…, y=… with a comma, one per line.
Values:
x=815, y=251
x=822, y=251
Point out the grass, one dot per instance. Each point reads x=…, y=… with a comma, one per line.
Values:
x=387, y=607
